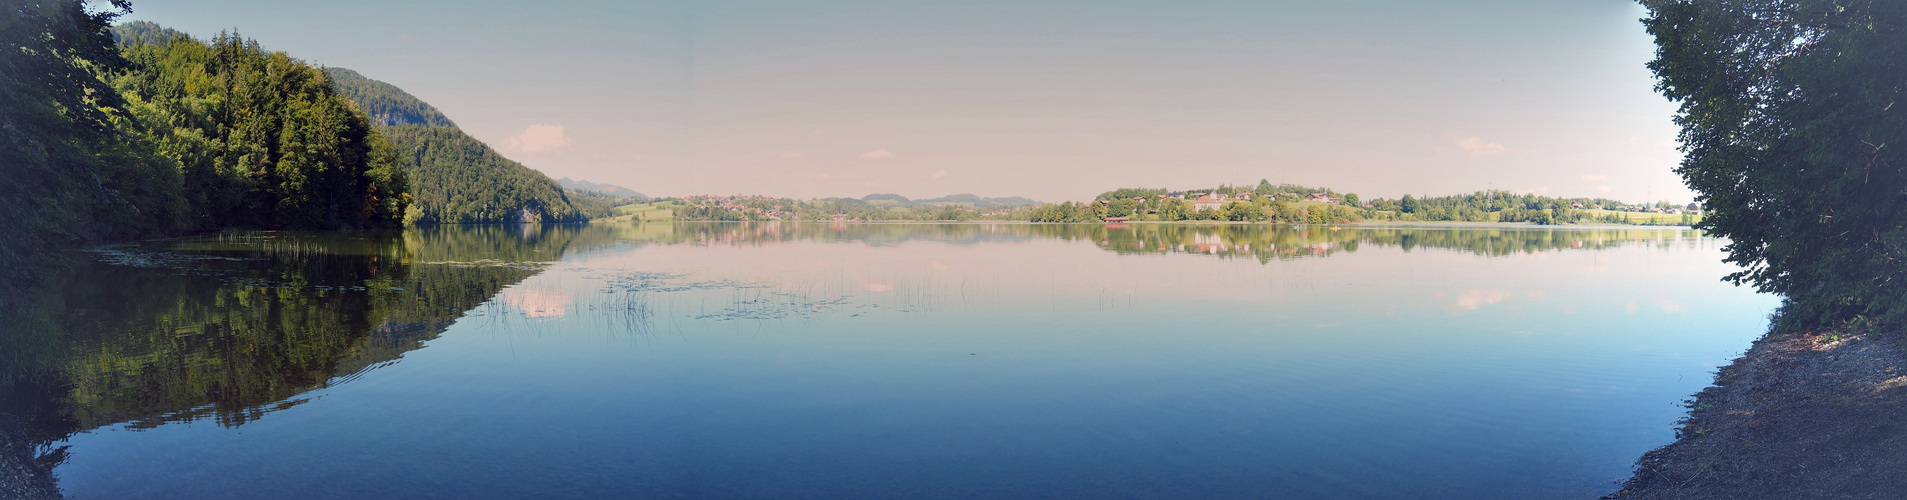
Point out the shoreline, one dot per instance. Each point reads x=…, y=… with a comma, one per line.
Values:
x=22, y=474
x=1201, y=223
x=1810, y=414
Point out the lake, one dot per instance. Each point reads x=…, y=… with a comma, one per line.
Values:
x=815, y=360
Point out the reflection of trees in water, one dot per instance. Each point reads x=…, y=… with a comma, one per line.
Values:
x=1262, y=242
x=231, y=327
x=1267, y=243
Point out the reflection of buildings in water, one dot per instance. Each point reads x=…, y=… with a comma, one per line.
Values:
x=1209, y=243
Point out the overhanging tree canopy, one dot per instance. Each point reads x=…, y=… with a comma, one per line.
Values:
x=1792, y=120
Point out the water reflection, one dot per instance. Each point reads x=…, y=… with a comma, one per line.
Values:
x=233, y=327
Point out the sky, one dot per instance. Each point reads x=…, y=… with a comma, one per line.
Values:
x=1051, y=100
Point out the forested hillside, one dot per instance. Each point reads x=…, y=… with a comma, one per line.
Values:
x=385, y=103
x=457, y=179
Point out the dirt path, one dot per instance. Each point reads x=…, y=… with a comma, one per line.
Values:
x=1799, y=416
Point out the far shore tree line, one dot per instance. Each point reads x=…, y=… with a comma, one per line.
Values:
x=1261, y=203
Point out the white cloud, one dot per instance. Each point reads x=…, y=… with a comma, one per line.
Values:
x=1473, y=299
x=539, y=303
x=1602, y=189
x=938, y=175
x=1476, y=147
x=1595, y=178
x=821, y=177
x=540, y=137
x=790, y=156
x=878, y=154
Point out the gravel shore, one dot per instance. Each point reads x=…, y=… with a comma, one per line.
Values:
x=1801, y=415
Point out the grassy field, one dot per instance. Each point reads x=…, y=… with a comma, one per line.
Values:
x=641, y=212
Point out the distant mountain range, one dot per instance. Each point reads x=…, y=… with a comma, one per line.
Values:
x=608, y=189
x=968, y=200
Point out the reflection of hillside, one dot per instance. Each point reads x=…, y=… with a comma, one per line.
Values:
x=231, y=327
x=509, y=243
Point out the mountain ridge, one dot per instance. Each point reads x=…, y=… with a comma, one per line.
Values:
x=962, y=199
x=608, y=189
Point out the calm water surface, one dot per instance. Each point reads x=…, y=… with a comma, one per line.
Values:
x=829, y=361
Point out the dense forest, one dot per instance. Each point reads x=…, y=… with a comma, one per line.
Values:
x=260, y=139
x=458, y=179
x=166, y=134
x=133, y=131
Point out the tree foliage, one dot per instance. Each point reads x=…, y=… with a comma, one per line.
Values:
x=261, y=139
x=1793, y=126
x=70, y=175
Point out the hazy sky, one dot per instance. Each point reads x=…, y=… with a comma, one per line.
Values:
x=1052, y=100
